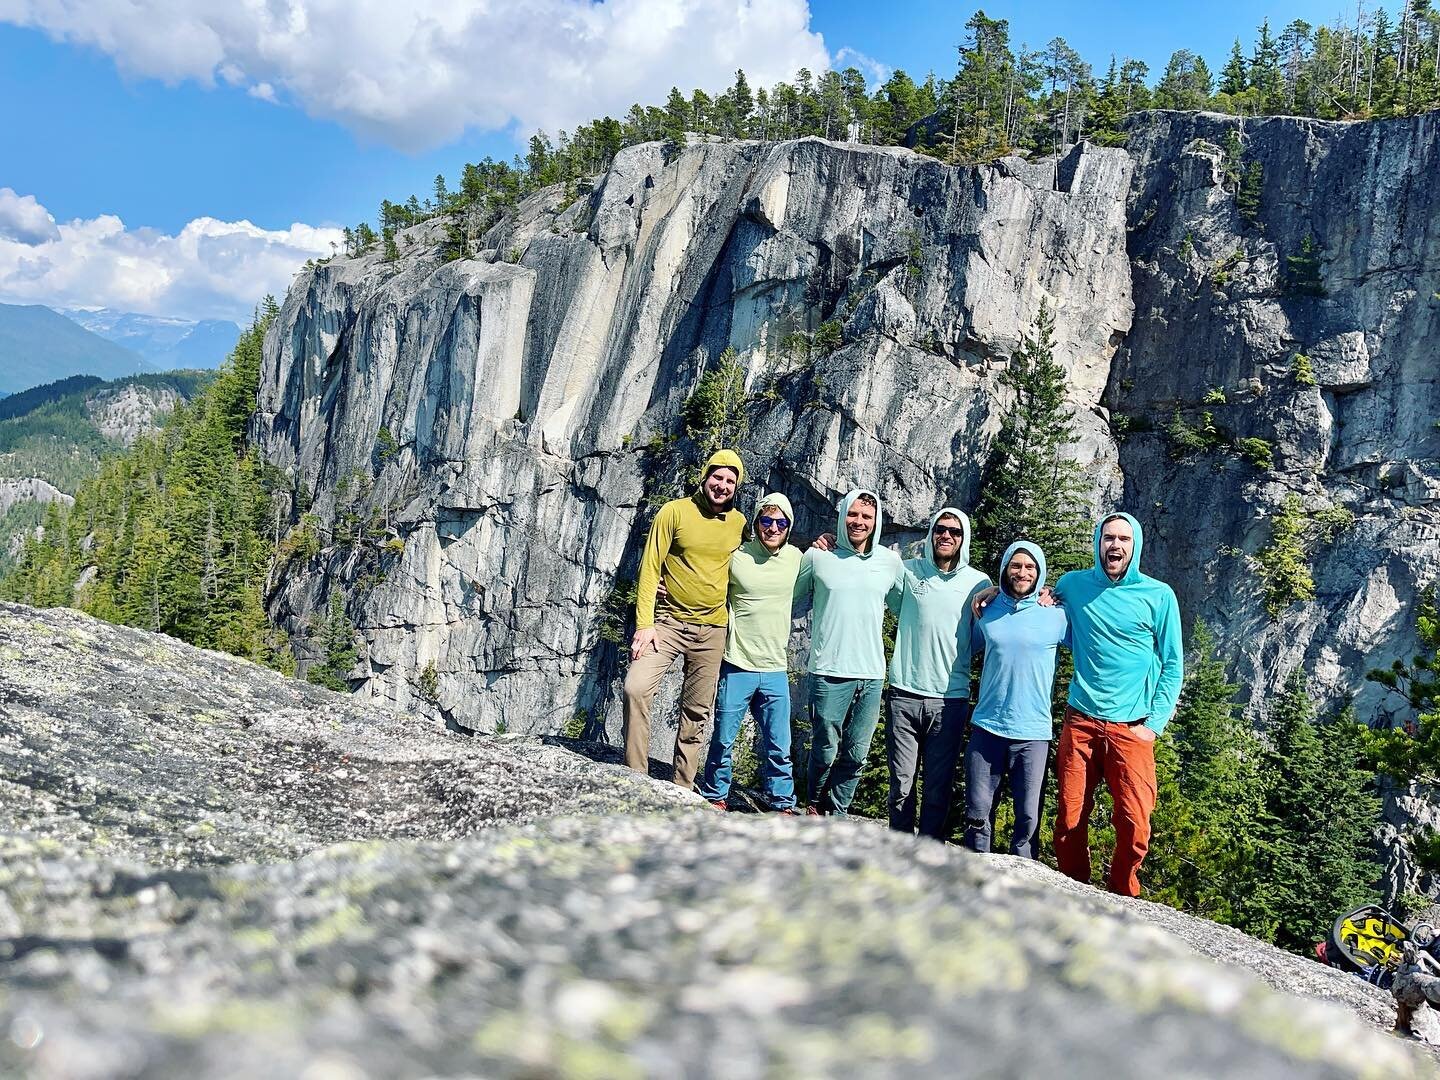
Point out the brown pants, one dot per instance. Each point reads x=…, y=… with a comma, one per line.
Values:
x=703, y=647
x=1090, y=750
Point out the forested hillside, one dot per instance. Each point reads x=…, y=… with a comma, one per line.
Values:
x=177, y=534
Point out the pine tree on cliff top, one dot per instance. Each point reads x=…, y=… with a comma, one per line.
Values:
x=1032, y=488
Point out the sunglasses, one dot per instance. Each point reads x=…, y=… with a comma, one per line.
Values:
x=774, y=523
x=949, y=530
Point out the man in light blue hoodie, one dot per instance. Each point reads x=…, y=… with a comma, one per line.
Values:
x=930, y=673
x=847, y=649
x=1011, y=726
x=1129, y=666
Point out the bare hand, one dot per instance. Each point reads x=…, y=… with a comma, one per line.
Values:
x=981, y=600
x=1145, y=734
x=824, y=542
x=1047, y=597
x=661, y=593
x=643, y=642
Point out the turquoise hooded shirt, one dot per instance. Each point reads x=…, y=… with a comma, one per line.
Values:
x=1019, y=638
x=849, y=588
x=1129, y=660
x=932, y=641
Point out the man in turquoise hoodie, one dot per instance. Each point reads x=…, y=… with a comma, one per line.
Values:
x=930, y=672
x=847, y=648
x=753, y=674
x=1011, y=726
x=1129, y=666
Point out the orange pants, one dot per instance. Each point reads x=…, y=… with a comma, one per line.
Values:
x=1090, y=750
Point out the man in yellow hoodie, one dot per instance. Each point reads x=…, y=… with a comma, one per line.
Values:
x=688, y=550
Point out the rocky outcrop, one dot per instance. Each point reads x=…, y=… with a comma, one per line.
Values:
x=27, y=489
x=1225, y=303
x=211, y=870
x=127, y=411
x=502, y=414
x=498, y=422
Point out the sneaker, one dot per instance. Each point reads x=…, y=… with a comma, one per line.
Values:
x=788, y=811
x=720, y=804
x=812, y=811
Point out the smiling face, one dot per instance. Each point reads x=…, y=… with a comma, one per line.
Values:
x=860, y=523
x=945, y=538
x=719, y=487
x=769, y=528
x=1117, y=547
x=1021, y=574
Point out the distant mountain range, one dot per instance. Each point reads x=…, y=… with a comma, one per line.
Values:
x=39, y=345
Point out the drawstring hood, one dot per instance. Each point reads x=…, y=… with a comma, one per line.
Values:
x=1033, y=596
x=842, y=537
x=962, y=559
x=1132, y=572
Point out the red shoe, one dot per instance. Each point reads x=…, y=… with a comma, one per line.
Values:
x=720, y=804
x=789, y=811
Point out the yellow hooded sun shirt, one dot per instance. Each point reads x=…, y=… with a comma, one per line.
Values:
x=689, y=550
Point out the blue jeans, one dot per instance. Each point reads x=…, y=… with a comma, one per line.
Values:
x=843, y=715
x=768, y=693
x=988, y=759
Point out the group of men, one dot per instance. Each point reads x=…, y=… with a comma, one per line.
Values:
x=723, y=603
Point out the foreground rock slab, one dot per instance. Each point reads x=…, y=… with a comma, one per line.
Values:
x=191, y=887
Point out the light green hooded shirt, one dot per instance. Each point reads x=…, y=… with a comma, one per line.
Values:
x=932, y=642
x=761, y=587
x=847, y=622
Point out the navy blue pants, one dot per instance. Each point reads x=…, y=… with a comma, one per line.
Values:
x=988, y=759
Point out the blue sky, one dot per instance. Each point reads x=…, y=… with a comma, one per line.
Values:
x=233, y=122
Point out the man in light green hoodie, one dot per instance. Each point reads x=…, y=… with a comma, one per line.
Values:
x=847, y=649
x=753, y=674
x=930, y=672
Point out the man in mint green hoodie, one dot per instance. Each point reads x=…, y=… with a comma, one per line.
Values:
x=753, y=674
x=930, y=672
x=1129, y=666
x=847, y=649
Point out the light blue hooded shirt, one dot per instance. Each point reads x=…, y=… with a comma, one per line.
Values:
x=1129, y=659
x=1019, y=638
x=847, y=620
x=932, y=641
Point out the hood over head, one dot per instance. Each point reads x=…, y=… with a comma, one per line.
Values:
x=964, y=556
x=842, y=539
x=721, y=459
x=777, y=500
x=1132, y=572
x=1033, y=550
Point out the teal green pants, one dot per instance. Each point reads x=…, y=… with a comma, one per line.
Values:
x=843, y=715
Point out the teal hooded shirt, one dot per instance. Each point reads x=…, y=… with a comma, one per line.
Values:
x=1129, y=659
x=1020, y=638
x=847, y=621
x=932, y=641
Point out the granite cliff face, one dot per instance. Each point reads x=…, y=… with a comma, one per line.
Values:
x=496, y=420
x=209, y=870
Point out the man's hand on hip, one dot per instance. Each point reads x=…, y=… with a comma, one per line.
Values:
x=643, y=642
x=1145, y=734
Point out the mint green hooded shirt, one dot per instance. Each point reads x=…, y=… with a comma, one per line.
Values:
x=932, y=642
x=1129, y=660
x=761, y=587
x=849, y=589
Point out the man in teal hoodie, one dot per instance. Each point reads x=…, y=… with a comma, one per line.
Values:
x=930, y=672
x=1010, y=728
x=753, y=674
x=1129, y=667
x=847, y=648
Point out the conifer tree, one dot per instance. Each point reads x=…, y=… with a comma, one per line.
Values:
x=1233, y=74
x=1315, y=858
x=677, y=118
x=1031, y=488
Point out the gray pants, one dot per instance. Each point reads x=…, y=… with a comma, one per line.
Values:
x=988, y=759
x=923, y=733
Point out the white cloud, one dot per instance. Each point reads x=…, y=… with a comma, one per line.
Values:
x=24, y=220
x=874, y=71
x=418, y=74
x=210, y=269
